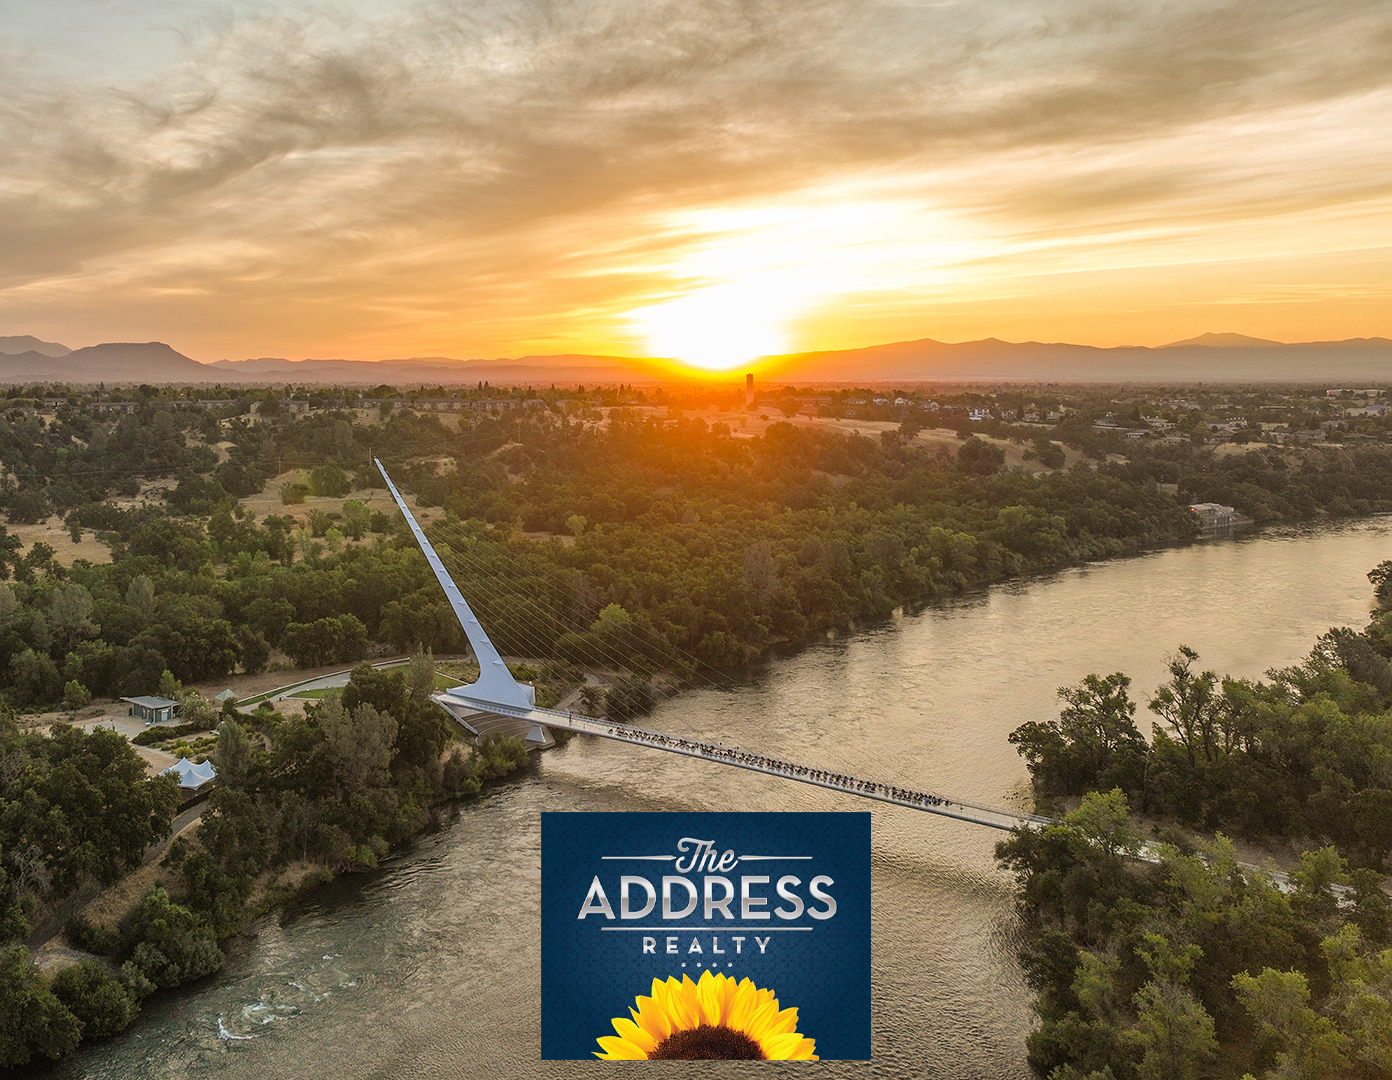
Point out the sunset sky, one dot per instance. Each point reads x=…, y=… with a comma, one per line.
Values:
x=713, y=179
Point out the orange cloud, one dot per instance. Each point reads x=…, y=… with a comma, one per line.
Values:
x=701, y=178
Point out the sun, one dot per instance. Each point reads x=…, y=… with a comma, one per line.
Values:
x=716, y=328
x=716, y=1018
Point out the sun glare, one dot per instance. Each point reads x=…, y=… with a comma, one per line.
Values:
x=758, y=272
x=719, y=327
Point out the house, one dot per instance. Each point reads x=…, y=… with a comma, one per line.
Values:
x=153, y=710
x=1214, y=516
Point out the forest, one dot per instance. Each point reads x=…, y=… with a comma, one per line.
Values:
x=1183, y=963
x=701, y=546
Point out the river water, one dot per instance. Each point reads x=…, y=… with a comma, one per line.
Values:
x=429, y=967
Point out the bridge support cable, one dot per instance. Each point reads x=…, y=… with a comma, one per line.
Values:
x=497, y=692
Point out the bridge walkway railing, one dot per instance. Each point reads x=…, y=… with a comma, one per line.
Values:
x=737, y=757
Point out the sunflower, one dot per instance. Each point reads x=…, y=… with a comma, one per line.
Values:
x=711, y=1019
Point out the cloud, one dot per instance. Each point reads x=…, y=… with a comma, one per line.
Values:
x=487, y=165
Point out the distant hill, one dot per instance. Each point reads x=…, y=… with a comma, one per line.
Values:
x=1361, y=360
x=1206, y=358
x=1224, y=341
x=538, y=370
x=28, y=343
x=116, y=362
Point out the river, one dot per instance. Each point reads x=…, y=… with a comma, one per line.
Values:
x=429, y=967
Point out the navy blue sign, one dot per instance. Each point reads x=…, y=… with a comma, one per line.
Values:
x=727, y=912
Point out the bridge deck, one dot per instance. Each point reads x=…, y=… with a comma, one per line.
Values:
x=929, y=802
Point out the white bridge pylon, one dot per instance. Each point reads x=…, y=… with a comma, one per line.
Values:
x=497, y=692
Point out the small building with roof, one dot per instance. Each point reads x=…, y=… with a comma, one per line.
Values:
x=153, y=710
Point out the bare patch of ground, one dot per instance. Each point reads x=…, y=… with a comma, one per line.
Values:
x=112, y=903
x=268, y=501
x=53, y=533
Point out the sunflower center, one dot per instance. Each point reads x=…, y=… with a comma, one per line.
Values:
x=706, y=1043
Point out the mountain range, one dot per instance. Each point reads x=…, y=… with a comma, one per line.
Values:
x=1206, y=358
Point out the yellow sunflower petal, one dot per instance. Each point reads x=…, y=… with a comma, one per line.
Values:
x=616, y=1049
x=789, y=1047
x=682, y=1005
x=632, y=1033
x=760, y=1023
x=710, y=996
x=783, y=1023
x=651, y=1016
x=743, y=1001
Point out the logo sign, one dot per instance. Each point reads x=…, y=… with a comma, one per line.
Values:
x=670, y=935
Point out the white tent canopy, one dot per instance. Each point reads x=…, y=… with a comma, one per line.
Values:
x=191, y=776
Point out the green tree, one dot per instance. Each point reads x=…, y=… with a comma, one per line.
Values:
x=233, y=754
x=1094, y=742
x=33, y=1022
x=1188, y=703
x=75, y=695
x=329, y=480
x=358, y=744
x=1297, y=1040
x=1174, y=1033
x=1104, y=819
x=356, y=518
x=169, y=687
x=103, y=1002
x=169, y=944
x=980, y=458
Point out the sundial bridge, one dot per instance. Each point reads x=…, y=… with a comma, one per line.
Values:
x=496, y=691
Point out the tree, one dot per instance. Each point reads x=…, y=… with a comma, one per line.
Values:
x=356, y=518
x=1188, y=703
x=980, y=458
x=69, y=616
x=1174, y=1033
x=1381, y=577
x=358, y=744
x=329, y=480
x=255, y=650
x=33, y=1022
x=103, y=1002
x=168, y=943
x=1094, y=743
x=1299, y=1040
x=75, y=695
x=140, y=595
x=333, y=639
x=169, y=687
x=233, y=754
x=28, y=507
x=1105, y=820
x=194, y=708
